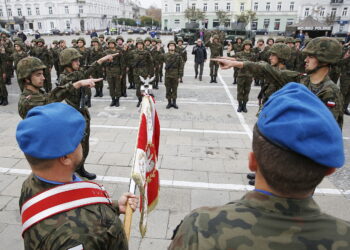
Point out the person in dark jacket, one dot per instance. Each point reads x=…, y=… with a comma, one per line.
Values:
x=200, y=56
x=22, y=36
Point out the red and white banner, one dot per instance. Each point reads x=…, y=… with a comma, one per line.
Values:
x=145, y=172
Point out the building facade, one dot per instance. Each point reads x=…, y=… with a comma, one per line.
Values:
x=78, y=15
x=173, y=12
x=336, y=13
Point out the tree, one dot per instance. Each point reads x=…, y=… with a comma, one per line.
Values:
x=223, y=16
x=124, y=21
x=246, y=17
x=194, y=14
x=148, y=21
x=154, y=12
x=330, y=19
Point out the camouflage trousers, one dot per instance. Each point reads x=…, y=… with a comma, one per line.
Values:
x=345, y=89
x=9, y=72
x=235, y=73
x=3, y=89
x=183, y=69
x=98, y=74
x=161, y=70
x=243, y=88
x=123, y=84
x=131, y=76
x=47, y=82
x=171, y=85
x=334, y=75
x=114, y=84
x=214, y=67
x=85, y=141
x=156, y=73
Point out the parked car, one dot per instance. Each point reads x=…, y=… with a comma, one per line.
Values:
x=56, y=32
x=46, y=32
x=68, y=32
x=130, y=31
x=262, y=32
x=28, y=32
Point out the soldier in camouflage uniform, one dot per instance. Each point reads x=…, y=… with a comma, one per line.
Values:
x=84, y=63
x=300, y=58
x=335, y=71
x=147, y=42
x=42, y=52
x=181, y=50
x=244, y=78
x=161, y=63
x=74, y=43
x=258, y=50
x=69, y=61
x=122, y=51
x=8, y=45
x=128, y=58
x=236, y=47
x=157, y=57
x=142, y=64
x=3, y=89
x=280, y=40
x=103, y=43
x=55, y=55
x=216, y=50
x=280, y=213
x=18, y=55
x=114, y=70
x=96, y=52
x=173, y=71
x=320, y=53
x=293, y=55
x=345, y=80
x=87, y=226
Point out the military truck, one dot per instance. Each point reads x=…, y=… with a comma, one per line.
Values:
x=188, y=35
x=232, y=35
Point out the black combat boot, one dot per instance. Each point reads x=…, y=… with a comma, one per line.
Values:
x=195, y=77
x=160, y=79
x=251, y=176
x=346, y=111
x=130, y=86
x=113, y=102
x=214, y=81
x=256, y=82
x=139, y=102
x=156, y=85
x=234, y=80
x=125, y=94
x=101, y=92
x=211, y=79
x=117, y=102
x=1, y=100
x=4, y=101
x=240, y=107
x=97, y=94
x=174, y=104
x=169, y=104
x=244, y=107
x=181, y=80
x=251, y=182
x=83, y=173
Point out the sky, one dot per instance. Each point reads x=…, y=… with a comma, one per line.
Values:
x=147, y=3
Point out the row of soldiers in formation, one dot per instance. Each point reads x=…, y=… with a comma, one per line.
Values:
x=144, y=58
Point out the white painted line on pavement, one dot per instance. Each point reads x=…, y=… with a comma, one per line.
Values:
x=234, y=105
x=184, y=184
x=183, y=130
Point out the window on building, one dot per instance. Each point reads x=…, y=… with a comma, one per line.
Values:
x=68, y=24
x=176, y=21
x=322, y=11
x=165, y=8
x=228, y=7
x=81, y=9
x=255, y=24
x=193, y=6
x=337, y=1
x=333, y=12
x=345, y=11
x=19, y=12
x=341, y=28
x=256, y=6
x=178, y=9
x=50, y=10
x=279, y=6
x=268, y=6
x=216, y=6
x=39, y=25
x=290, y=21
x=266, y=23
x=37, y=10
x=205, y=7
x=9, y=12
x=306, y=12
x=1, y=14
x=52, y=25
x=242, y=7
x=277, y=24
x=291, y=6
x=29, y=11
x=66, y=9
x=216, y=23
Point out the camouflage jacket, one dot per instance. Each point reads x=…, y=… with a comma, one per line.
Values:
x=237, y=47
x=260, y=221
x=43, y=54
x=182, y=52
x=95, y=54
x=157, y=56
x=345, y=67
x=216, y=49
x=300, y=61
x=117, y=66
x=173, y=65
x=259, y=53
x=291, y=62
x=276, y=78
x=245, y=56
x=30, y=99
x=55, y=54
x=84, y=59
x=94, y=226
x=142, y=63
x=16, y=57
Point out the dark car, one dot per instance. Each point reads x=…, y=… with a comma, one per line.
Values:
x=56, y=32
x=262, y=32
x=340, y=34
x=231, y=35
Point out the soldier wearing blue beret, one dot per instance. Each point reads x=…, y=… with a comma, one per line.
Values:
x=58, y=209
x=296, y=143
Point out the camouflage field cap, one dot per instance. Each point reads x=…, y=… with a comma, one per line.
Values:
x=159, y=40
x=68, y=55
x=298, y=40
x=28, y=65
x=270, y=39
x=40, y=40
x=154, y=40
x=108, y=37
x=239, y=38
x=280, y=40
x=17, y=39
x=148, y=39
x=216, y=37
x=180, y=39
x=249, y=42
x=95, y=40
x=20, y=44
x=129, y=40
x=81, y=39
x=33, y=40
x=55, y=42
x=119, y=38
x=62, y=41
x=261, y=40
x=325, y=49
x=171, y=42
x=112, y=41
x=139, y=40
x=281, y=50
x=74, y=41
x=101, y=36
x=289, y=40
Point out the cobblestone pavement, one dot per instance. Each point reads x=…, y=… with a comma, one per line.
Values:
x=202, y=161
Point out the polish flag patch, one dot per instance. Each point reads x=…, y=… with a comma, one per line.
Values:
x=330, y=104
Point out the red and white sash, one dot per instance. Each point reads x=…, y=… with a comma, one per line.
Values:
x=60, y=199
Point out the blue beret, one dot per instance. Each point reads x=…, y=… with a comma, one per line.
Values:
x=50, y=131
x=296, y=119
